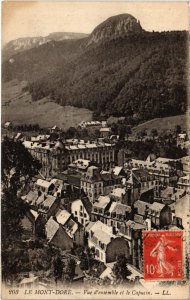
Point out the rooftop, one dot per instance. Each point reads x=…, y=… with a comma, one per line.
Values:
x=117, y=170
x=31, y=197
x=119, y=208
x=100, y=226
x=51, y=228
x=156, y=206
x=34, y=213
x=102, y=236
x=141, y=206
x=43, y=183
x=29, y=280
x=62, y=216
x=135, y=226
x=102, y=202
x=47, y=204
x=118, y=192
x=80, y=163
x=70, y=227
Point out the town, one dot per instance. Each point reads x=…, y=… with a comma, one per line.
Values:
x=94, y=196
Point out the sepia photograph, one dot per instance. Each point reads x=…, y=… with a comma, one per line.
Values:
x=95, y=138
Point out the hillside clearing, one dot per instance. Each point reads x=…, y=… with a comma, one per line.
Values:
x=19, y=108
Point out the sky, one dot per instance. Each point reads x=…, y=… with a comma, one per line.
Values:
x=31, y=18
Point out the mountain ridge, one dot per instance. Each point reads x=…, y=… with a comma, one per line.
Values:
x=137, y=74
x=25, y=43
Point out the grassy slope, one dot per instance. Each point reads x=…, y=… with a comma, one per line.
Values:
x=20, y=109
x=160, y=124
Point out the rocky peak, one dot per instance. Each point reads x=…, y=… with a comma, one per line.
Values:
x=115, y=26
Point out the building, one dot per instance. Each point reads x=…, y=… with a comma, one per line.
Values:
x=99, y=208
x=81, y=210
x=107, y=245
x=92, y=124
x=8, y=125
x=160, y=215
x=40, y=138
x=110, y=181
x=105, y=132
x=160, y=168
x=55, y=157
x=28, y=223
x=30, y=282
x=71, y=227
x=186, y=164
x=141, y=209
x=140, y=184
x=180, y=212
x=116, y=215
x=132, y=232
x=44, y=186
x=170, y=194
x=184, y=183
x=118, y=194
x=181, y=139
x=47, y=205
x=91, y=183
x=63, y=231
x=79, y=166
x=31, y=197
x=56, y=235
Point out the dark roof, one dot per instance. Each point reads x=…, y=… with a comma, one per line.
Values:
x=106, y=176
x=141, y=174
x=74, y=180
x=87, y=204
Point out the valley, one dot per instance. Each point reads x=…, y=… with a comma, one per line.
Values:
x=18, y=107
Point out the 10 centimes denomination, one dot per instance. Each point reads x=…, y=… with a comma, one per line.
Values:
x=163, y=255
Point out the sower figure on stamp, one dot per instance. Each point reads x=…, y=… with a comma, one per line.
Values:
x=160, y=250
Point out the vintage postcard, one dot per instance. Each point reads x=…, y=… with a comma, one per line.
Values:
x=95, y=169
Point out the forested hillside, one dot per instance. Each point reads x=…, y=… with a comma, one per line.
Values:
x=141, y=75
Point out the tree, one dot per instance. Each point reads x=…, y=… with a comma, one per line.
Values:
x=154, y=133
x=40, y=227
x=70, y=269
x=177, y=129
x=141, y=134
x=71, y=133
x=84, y=265
x=57, y=268
x=18, y=167
x=120, y=268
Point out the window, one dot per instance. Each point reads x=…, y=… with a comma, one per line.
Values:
x=80, y=207
x=75, y=212
x=157, y=221
x=85, y=215
x=97, y=253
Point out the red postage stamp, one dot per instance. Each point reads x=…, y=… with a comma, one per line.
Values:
x=163, y=255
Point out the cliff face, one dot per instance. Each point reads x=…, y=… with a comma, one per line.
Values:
x=115, y=26
x=22, y=44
